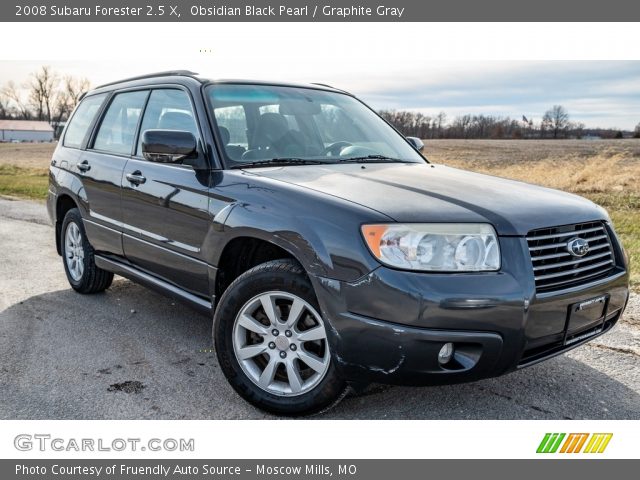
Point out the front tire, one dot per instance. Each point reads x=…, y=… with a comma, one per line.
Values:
x=272, y=343
x=78, y=257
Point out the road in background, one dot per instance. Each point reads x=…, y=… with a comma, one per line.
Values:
x=130, y=353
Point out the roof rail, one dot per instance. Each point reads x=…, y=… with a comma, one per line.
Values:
x=329, y=86
x=168, y=73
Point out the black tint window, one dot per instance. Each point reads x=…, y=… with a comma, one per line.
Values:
x=262, y=122
x=81, y=120
x=118, y=128
x=168, y=109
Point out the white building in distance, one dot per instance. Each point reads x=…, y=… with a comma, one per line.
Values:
x=25, y=131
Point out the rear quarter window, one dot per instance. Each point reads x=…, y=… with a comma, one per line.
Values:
x=81, y=121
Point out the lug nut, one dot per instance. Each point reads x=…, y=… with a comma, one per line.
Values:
x=272, y=345
x=275, y=332
x=293, y=347
x=283, y=354
x=288, y=333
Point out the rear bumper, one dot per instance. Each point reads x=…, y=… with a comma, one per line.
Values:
x=389, y=326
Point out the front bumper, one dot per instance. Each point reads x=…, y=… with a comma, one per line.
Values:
x=389, y=326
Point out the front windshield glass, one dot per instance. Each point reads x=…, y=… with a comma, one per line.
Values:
x=260, y=123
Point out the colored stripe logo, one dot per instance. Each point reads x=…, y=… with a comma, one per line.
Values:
x=574, y=443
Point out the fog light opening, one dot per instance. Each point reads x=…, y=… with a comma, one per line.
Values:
x=446, y=353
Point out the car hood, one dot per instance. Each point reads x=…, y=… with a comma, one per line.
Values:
x=436, y=193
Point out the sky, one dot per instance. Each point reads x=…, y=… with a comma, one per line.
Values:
x=597, y=93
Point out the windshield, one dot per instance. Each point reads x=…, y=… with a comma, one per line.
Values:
x=260, y=124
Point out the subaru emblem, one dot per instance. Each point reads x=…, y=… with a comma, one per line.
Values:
x=578, y=247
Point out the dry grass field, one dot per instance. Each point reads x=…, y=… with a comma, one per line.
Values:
x=606, y=171
x=26, y=155
x=23, y=169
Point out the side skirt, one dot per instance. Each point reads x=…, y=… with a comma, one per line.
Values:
x=154, y=283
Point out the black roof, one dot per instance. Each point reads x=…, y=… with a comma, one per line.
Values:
x=184, y=76
x=168, y=73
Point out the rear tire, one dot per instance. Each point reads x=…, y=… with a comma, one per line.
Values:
x=272, y=343
x=78, y=257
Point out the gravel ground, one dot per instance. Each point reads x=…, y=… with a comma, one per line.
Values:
x=130, y=353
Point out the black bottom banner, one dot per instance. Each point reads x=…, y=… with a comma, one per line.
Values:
x=584, y=469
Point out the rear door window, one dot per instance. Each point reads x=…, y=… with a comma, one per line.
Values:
x=81, y=121
x=118, y=128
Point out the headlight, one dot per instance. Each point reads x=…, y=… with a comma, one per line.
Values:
x=443, y=247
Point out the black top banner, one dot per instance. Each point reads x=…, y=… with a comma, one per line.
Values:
x=319, y=11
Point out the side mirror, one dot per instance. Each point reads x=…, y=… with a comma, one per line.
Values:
x=416, y=143
x=167, y=146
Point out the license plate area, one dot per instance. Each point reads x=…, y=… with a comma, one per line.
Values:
x=585, y=317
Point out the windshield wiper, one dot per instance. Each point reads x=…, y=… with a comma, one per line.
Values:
x=373, y=159
x=276, y=162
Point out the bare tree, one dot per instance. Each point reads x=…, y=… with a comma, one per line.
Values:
x=66, y=98
x=577, y=129
x=636, y=132
x=15, y=100
x=4, y=106
x=556, y=120
x=62, y=106
x=441, y=120
x=461, y=126
x=42, y=90
x=76, y=87
x=417, y=124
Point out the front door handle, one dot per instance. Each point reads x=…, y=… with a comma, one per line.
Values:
x=136, y=177
x=84, y=166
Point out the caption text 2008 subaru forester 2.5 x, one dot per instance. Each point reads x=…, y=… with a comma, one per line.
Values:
x=327, y=249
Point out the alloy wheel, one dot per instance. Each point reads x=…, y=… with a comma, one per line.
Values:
x=74, y=251
x=281, y=344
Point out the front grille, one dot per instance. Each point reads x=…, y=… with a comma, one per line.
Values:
x=555, y=268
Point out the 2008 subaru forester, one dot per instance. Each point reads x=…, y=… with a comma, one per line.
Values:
x=327, y=249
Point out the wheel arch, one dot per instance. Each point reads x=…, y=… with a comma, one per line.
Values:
x=245, y=251
x=64, y=203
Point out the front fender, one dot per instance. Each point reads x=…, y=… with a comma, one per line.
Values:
x=319, y=242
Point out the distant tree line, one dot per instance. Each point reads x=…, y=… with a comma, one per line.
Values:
x=45, y=95
x=555, y=123
x=48, y=96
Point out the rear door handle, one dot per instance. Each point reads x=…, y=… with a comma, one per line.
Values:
x=84, y=166
x=136, y=177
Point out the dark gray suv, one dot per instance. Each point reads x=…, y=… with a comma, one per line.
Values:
x=328, y=250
